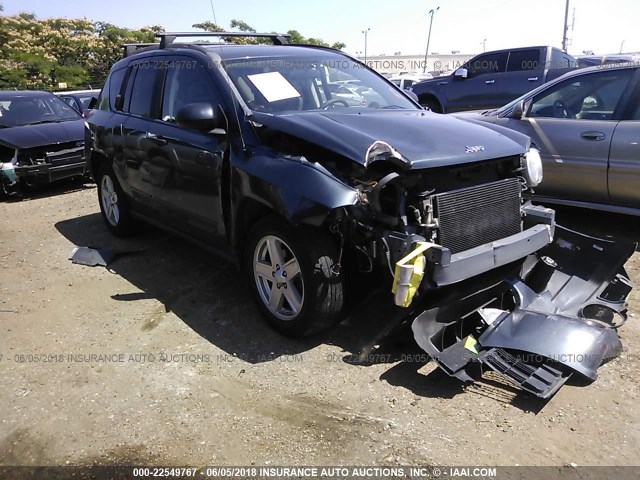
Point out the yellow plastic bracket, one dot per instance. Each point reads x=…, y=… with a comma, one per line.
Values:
x=408, y=274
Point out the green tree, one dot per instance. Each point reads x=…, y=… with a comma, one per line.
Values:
x=239, y=25
x=44, y=53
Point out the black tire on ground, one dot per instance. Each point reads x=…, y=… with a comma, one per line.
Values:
x=431, y=104
x=320, y=291
x=122, y=223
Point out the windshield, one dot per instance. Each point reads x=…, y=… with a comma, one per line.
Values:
x=277, y=85
x=28, y=110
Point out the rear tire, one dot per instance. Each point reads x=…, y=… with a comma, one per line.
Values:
x=291, y=273
x=114, y=205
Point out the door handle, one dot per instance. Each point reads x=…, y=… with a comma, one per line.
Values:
x=442, y=83
x=489, y=82
x=532, y=79
x=595, y=136
x=160, y=140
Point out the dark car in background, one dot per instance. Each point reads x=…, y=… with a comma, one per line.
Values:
x=586, y=125
x=491, y=79
x=41, y=140
x=80, y=99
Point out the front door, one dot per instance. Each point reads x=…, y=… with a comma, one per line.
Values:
x=572, y=124
x=185, y=166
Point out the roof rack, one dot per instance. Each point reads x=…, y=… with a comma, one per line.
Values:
x=167, y=38
x=131, y=48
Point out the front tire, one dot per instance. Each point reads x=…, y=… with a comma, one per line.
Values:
x=114, y=205
x=294, y=276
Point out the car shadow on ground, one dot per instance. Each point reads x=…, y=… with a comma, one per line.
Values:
x=212, y=298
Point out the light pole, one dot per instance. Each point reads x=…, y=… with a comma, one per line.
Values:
x=366, y=32
x=426, y=53
x=565, y=40
x=622, y=45
x=483, y=45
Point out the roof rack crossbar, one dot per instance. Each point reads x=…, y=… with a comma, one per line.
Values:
x=167, y=38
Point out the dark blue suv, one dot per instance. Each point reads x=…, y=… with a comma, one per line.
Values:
x=253, y=151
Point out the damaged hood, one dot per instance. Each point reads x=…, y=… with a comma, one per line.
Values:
x=30, y=136
x=413, y=138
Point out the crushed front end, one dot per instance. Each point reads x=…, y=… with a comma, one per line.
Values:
x=491, y=281
x=40, y=165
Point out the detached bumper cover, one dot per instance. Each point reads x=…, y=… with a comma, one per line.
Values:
x=558, y=318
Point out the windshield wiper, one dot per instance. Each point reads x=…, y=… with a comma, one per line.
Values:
x=393, y=106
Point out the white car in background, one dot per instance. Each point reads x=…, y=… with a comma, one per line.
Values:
x=406, y=81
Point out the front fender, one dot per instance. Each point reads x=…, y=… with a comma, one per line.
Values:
x=299, y=190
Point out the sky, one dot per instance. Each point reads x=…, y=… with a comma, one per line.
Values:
x=462, y=25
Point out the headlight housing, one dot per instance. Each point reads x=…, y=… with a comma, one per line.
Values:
x=532, y=167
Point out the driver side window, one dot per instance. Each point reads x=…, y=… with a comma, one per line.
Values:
x=186, y=81
x=587, y=97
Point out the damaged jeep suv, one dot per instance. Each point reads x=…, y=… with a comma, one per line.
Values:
x=248, y=150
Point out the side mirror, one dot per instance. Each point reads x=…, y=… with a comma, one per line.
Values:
x=202, y=117
x=412, y=95
x=517, y=112
x=461, y=73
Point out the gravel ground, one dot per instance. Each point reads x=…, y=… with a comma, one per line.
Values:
x=164, y=359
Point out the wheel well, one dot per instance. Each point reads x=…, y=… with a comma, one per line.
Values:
x=94, y=164
x=249, y=213
x=430, y=99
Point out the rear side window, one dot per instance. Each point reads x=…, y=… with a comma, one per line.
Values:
x=489, y=63
x=560, y=60
x=524, y=60
x=111, y=89
x=144, y=79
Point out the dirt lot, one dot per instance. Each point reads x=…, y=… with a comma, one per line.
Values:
x=185, y=372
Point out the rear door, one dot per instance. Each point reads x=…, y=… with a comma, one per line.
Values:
x=525, y=71
x=478, y=90
x=572, y=124
x=141, y=103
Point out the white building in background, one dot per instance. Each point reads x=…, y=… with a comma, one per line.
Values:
x=397, y=64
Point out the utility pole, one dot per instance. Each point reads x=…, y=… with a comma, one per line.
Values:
x=621, y=45
x=566, y=27
x=484, y=42
x=365, y=44
x=426, y=53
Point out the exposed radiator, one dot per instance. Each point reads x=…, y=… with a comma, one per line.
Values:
x=473, y=216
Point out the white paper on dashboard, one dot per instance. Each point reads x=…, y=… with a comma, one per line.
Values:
x=273, y=86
